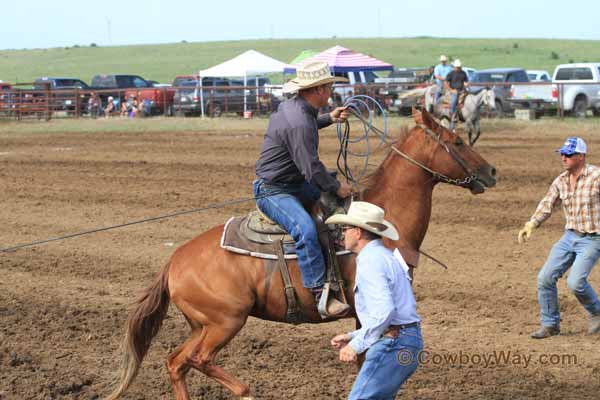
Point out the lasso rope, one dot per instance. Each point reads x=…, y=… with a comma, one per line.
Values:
x=175, y=214
x=359, y=106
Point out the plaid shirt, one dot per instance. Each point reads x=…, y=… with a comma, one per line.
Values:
x=581, y=206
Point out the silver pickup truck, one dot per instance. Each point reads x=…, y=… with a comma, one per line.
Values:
x=576, y=86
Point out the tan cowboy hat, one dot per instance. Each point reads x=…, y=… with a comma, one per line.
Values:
x=457, y=63
x=443, y=58
x=368, y=217
x=311, y=75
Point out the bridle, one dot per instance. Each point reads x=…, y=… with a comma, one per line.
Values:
x=437, y=175
x=354, y=105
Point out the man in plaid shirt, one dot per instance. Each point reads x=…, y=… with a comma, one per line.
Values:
x=578, y=189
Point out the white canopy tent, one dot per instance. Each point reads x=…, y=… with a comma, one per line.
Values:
x=249, y=63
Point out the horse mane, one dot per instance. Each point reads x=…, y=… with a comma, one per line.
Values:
x=421, y=117
x=372, y=178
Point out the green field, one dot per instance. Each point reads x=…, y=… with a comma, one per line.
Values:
x=162, y=62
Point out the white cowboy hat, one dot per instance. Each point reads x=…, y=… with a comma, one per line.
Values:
x=457, y=63
x=368, y=217
x=443, y=58
x=311, y=75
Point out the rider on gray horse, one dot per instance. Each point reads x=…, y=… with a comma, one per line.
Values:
x=457, y=81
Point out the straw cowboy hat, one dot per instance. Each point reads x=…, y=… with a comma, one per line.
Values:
x=443, y=58
x=311, y=75
x=457, y=63
x=368, y=217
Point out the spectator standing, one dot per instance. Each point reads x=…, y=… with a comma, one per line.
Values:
x=94, y=105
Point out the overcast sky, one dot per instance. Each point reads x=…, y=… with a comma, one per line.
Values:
x=57, y=23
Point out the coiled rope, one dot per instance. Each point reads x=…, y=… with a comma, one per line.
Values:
x=365, y=109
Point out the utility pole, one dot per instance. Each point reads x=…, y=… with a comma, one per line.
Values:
x=109, y=32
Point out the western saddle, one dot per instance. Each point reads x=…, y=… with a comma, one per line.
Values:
x=256, y=235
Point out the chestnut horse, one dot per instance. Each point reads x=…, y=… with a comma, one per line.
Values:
x=218, y=290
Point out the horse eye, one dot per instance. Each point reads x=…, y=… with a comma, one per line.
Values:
x=459, y=142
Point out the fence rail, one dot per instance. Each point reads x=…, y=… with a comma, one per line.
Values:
x=21, y=102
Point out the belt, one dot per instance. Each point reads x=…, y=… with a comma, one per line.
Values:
x=393, y=331
x=584, y=234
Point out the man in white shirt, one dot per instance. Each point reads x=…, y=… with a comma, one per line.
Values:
x=390, y=330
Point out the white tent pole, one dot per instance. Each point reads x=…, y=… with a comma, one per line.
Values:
x=245, y=85
x=201, y=95
x=256, y=82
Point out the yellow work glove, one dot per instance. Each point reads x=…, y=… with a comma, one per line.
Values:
x=525, y=233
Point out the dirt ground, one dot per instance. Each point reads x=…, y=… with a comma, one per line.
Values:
x=63, y=304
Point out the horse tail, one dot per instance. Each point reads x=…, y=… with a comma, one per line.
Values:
x=143, y=324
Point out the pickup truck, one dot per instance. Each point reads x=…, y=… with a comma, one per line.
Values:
x=125, y=86
x=399, y=81
x=6, y=96
x=576, y=86
x=500, y=79
x=220, y=95
x=64, y=92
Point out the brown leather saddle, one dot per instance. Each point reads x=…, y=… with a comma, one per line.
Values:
x=256, y=235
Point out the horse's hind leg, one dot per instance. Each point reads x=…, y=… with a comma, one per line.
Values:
x=199, y=352
x=177, y=367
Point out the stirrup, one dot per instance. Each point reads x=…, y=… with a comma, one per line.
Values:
x=323, y=304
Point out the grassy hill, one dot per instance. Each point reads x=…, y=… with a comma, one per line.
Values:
x=162, y=62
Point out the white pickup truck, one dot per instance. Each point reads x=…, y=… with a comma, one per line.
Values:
x=575, y=86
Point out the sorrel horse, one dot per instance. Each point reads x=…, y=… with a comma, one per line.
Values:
x=217, y=290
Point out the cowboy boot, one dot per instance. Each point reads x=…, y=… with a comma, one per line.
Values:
x=329, y=307
x=545, y=332
x=594, y=326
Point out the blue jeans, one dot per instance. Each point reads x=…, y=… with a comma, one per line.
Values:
x=453, y=101
x=388, y=364
x=438, y=90
x=286, y=207
x=575, y=252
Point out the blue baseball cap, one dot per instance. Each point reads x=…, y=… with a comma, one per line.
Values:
x=573, y=145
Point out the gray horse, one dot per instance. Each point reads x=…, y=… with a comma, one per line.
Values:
x=471, y=111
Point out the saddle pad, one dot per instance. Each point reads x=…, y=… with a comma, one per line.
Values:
x=234, y=241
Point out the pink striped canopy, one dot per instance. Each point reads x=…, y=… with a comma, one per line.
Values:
x=341, y=59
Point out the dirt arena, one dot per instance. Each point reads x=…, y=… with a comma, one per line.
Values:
x=63, y=304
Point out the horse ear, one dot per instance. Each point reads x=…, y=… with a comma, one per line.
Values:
x=429, y=121
x=417, y=116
